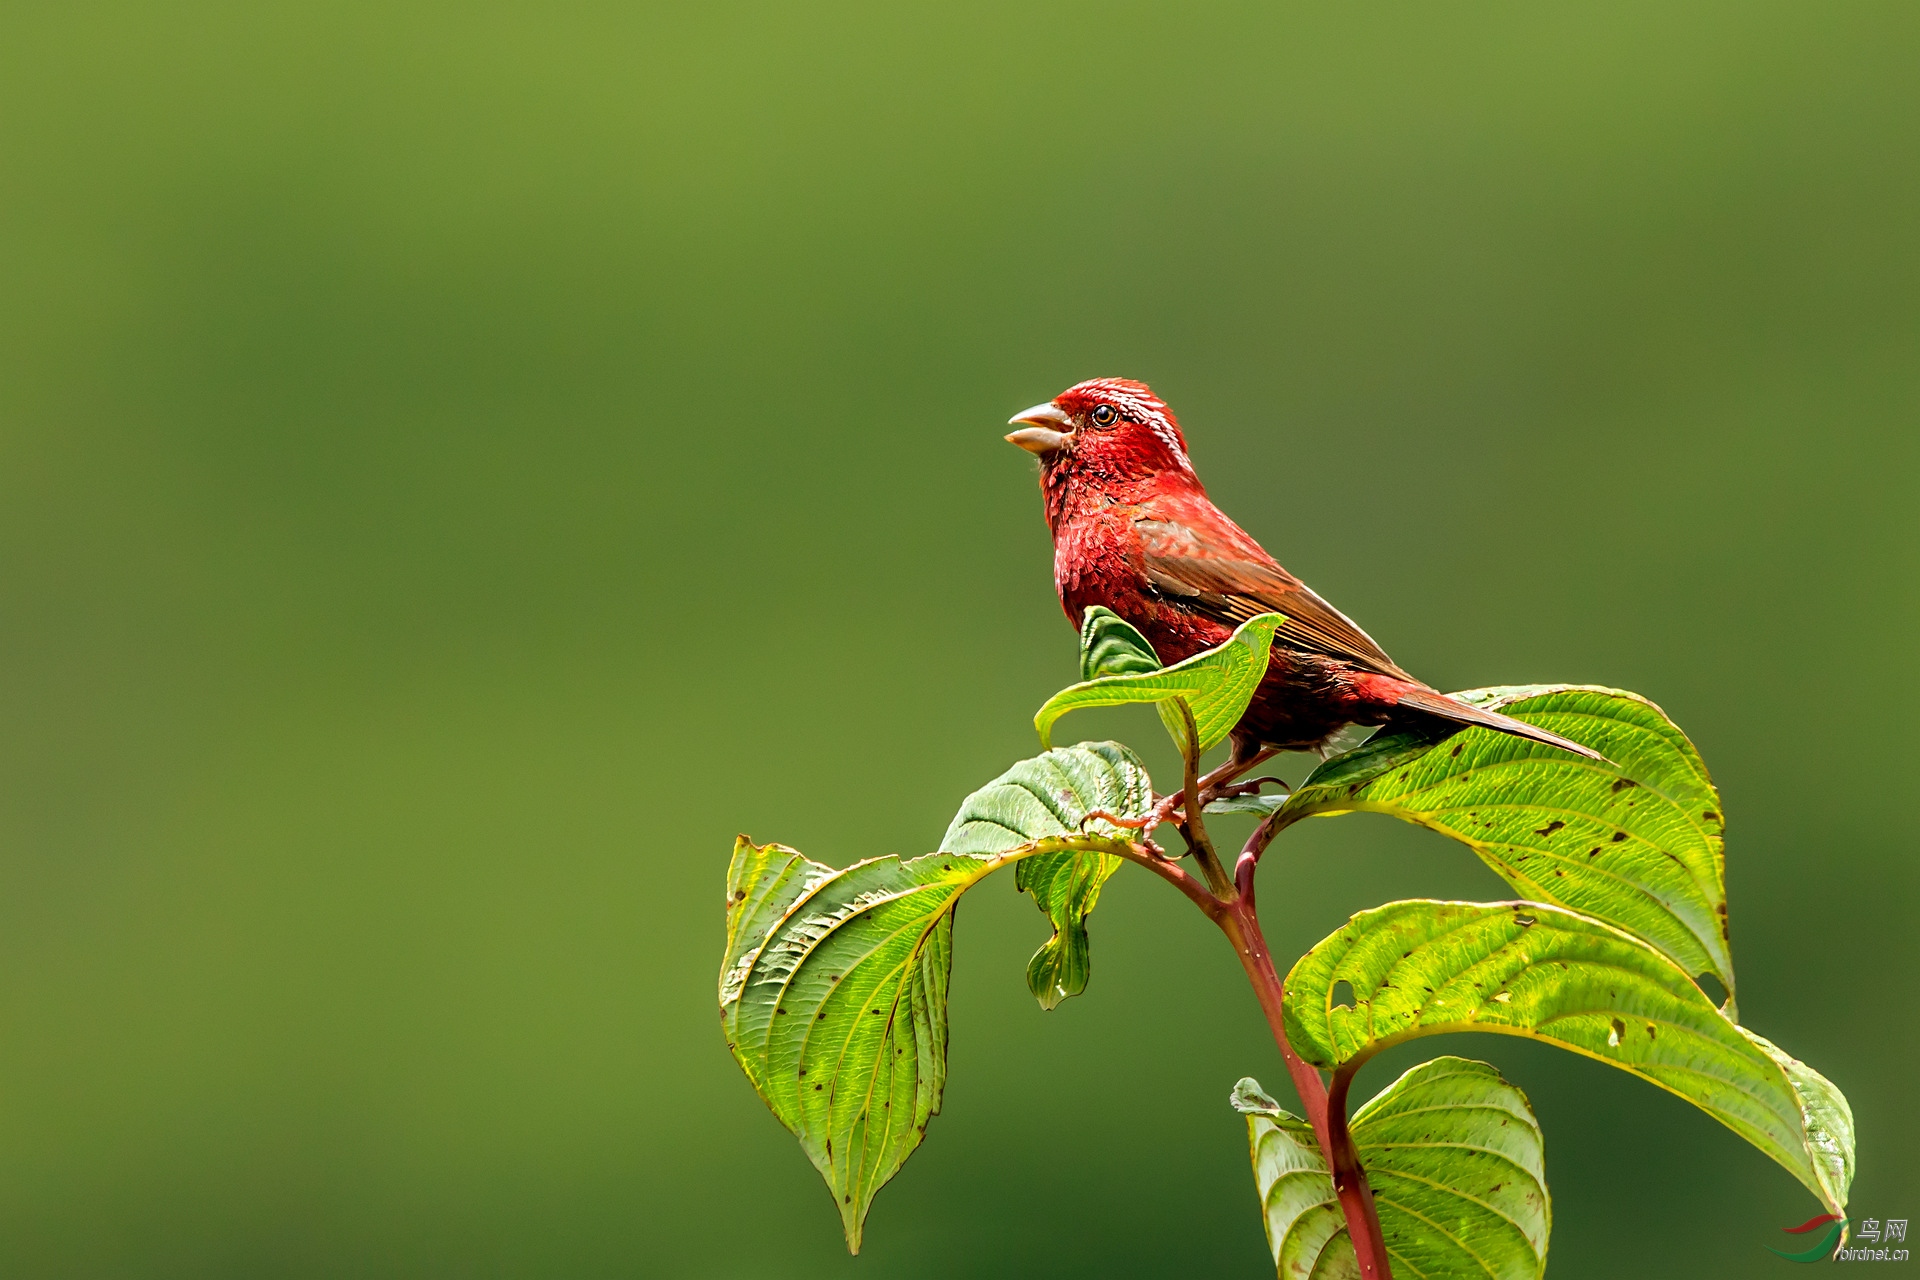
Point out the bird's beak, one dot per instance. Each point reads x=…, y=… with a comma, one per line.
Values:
x=1043, y=429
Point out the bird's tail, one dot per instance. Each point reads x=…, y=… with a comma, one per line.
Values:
x=1435, y=703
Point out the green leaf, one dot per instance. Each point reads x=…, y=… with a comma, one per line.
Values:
x=1638, y=845
x=1260, y=806
x=1306, y=1229
x=833, y=990
x=1456, y=1162
x=1111, y=646
x=1828, y=1120
x=1049, y=796
x=1216, y=684
x=1526, y=969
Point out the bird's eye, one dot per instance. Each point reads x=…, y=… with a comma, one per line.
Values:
x=1104, y=415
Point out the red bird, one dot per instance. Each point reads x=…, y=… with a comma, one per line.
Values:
x=1133, y=530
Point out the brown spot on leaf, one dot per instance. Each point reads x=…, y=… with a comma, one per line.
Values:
x=1618, y=836
x=1621, y=784
x=1711, y=816
x=1550, y=828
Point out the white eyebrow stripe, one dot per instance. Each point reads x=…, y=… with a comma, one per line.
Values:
x=1148, y=410
x=1153, y=415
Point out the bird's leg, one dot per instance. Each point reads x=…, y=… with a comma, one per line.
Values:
x=1247, y=752
x=1144, y=825
x=1250, y=787
x=1114, y=819
x=1167, y=810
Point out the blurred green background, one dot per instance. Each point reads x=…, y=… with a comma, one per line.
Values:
x=461, y=464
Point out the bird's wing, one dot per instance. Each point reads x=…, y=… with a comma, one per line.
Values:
x=1231, y=589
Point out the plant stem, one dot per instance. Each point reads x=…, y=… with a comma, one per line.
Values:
x=1196, y=827
x=1327, y=1114
x=1349, y=1176
x=1170, y=871
x=1231, y=906
x=1133, y=851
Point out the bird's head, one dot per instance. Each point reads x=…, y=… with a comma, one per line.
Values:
x=1105, y=431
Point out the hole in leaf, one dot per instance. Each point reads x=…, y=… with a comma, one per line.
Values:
x=1715, y=989
x=1343, y=994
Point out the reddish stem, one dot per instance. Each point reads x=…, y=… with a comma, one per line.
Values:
x=1230, y=905
x=1327, y=1114
x=1170, y=871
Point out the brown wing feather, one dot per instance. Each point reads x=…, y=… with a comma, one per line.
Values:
x=1435, y=703
x=1231, y=591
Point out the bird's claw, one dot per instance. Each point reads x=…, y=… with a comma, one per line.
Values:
x=1248, y=788
x=1144, y=825
x=1167, y=810
x=1113, y=819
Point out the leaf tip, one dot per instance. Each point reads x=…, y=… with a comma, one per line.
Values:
x=1248, y=1098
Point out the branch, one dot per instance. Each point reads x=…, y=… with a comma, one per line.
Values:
x=1196, y=827
x=1244, y=757
x=1249, y=860
x=1327, y=1113
x=1158, y=863
x=1350, y=1179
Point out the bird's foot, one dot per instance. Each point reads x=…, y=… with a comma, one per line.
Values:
x=1245, y=756
x=1143, y=824
x=1167, y=812
x=1114, y=819
x=1251, y=787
